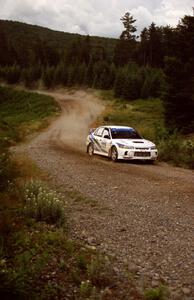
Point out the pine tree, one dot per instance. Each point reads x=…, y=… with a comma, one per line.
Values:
x=126, y=45
x=155, y=46
x=120, y=83
x=179, y=71
x=178, y=100
x=90, y=73
x=143, y=47
x=48, y=77
x=60, y=75
x=12, y=74
x=132, y=83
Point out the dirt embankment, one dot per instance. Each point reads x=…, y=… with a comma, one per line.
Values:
x=140, y=213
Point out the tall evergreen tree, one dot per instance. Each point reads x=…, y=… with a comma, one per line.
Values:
x=143, y=50
x=155, y=46
x=126, y=45
x=179, y=70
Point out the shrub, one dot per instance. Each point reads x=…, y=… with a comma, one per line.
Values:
x=173, y=148
x=7, y=169
x=188, y=153
x=99, y=272
x=160, y=293
x=43, y=204
x=85, y=289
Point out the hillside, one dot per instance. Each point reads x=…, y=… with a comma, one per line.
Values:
x=26, y=36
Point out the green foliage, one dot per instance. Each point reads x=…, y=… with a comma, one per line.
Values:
x=153, y=83
x=30, y=76
x=144, y=115
x=29, y=254
x=42, y=204
x=119, y=83
x=179, y=71
x=85, y=289
x=178, y=100
x=48, y=77
x=133, y=82
x=22, y=112
x=173, y=148
x=29, y=45
x=11, y=74
x=98, y=271
x=160, y=293
x=8, y=169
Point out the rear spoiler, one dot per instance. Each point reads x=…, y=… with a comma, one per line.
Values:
x=92, y=130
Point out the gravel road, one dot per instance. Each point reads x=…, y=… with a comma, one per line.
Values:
x=141, y=214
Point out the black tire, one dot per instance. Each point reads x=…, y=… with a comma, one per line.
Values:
x=90, y=149
x=114, y=154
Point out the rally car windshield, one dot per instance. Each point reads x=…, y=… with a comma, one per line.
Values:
x=122, y=133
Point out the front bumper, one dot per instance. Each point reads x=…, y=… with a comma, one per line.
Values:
x=137, y=154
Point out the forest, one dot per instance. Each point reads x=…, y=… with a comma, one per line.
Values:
x=158, y=63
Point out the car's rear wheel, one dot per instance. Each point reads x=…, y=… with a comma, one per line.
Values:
x=90, y=149
x=114, y=154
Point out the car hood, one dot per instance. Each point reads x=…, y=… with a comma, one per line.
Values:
x=137, y=143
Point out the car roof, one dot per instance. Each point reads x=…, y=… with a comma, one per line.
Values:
x=115, y=126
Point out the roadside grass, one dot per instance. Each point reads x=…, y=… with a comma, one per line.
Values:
x=79, y=198
x=146, y=116
x=45, y=264
x=22, y=113
x=27, y=168
x=159, y=293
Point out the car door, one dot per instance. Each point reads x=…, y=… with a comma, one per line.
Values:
x=106, y=141
x=97, y=140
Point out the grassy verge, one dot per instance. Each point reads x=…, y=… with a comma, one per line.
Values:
x=147, y=117
x=39, y=261
x=22, y=113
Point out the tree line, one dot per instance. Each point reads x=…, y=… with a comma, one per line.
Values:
x=158, y=64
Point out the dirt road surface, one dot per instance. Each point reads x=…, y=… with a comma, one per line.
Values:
x=141, y=214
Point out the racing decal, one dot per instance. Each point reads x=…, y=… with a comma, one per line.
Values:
x=97, y=145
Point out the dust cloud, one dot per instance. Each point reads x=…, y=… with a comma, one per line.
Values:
x=80, y=110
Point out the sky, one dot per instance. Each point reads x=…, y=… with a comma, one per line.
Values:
x=95, y=17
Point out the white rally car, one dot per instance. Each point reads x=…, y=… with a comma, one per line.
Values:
x=120, y=142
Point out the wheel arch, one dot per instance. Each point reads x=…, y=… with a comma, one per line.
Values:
x=90, y=143
x=110, y=150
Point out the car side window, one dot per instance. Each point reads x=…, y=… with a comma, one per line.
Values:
x=106, y=133
x=99, y=131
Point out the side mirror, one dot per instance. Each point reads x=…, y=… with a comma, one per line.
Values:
x=107, y=136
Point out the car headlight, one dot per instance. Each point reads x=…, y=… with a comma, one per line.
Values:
x=153, y=148
x=125, y=146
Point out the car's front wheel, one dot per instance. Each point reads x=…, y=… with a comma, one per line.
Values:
x=114, y=154
x=90, y=149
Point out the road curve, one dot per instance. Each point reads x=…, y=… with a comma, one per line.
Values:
x=142, y=214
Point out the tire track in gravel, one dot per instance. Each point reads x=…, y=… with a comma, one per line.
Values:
x=143, y=214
